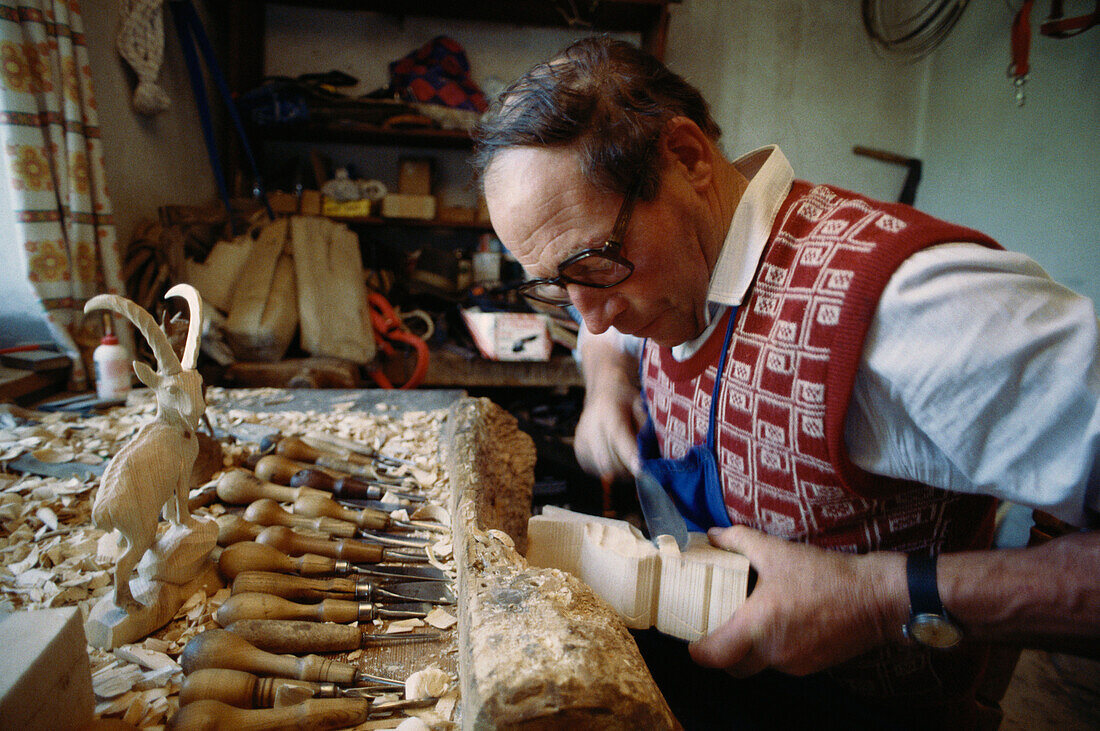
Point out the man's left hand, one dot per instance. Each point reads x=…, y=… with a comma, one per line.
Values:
x=810, y=609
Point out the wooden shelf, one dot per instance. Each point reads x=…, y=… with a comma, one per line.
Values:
x=450, y=369
x=413, y=222
x=361, y=133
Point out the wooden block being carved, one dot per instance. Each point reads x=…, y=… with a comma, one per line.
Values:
x=538, y=648
x=45, y=678
x=684, y=594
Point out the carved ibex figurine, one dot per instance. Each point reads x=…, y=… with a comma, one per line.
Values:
x=156, y=464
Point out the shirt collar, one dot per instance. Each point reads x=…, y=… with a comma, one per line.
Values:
x=770, y=176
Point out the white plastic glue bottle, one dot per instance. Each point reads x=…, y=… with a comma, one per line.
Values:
x=112, y=369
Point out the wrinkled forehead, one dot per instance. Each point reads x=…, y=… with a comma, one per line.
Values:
x=542, y=207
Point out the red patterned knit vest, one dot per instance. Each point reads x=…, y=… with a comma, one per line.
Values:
x=791, y=363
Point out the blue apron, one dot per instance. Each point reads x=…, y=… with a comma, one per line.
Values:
x=693, y=481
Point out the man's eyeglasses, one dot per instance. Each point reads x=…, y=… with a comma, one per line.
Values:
x=599, y=266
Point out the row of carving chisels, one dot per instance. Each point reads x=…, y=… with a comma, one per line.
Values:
x=315, y=548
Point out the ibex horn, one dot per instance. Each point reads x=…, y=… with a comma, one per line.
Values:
x=194, y=326
x=167, y=361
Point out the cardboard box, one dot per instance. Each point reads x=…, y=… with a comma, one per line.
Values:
x=346, y=209
x=399, y=205
x=414, y=176
x=509, y=335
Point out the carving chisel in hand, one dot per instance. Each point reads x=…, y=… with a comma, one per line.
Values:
x=247, y=555
x=363, y=589
x=255, y=605
x=294, y=636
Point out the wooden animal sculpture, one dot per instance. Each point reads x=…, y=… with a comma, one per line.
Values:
x=156, y=464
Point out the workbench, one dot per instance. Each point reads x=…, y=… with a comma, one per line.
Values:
x=534, y=648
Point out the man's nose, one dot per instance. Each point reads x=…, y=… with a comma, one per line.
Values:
x=598, y=307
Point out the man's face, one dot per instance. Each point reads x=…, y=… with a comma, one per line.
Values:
x=544, y=211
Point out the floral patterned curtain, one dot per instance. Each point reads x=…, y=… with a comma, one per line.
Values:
x=52, y=157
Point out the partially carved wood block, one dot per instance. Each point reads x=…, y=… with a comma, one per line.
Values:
x=539, y=649
x=684, y=594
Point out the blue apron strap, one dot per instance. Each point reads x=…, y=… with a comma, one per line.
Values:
x=191, y=34
x=718, y=380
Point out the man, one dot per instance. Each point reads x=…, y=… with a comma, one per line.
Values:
x=849, y=384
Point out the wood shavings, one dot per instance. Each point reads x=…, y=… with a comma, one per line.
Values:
x=440, y=618
x=400, y=626
x=431, y=682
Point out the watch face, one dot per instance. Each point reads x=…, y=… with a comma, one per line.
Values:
x=934, y=630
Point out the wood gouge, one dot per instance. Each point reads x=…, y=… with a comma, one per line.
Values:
x=296, y=544
x=266, y=511
x=348, y=446
x=234, y=529
x=256, y=605
x=315, y=713
x=295, y=636
x=217, y=648
x=245, y=690
x=241, y=487
x=247, y=555
x=350, y=488
x=317, y=506
x=300, y=588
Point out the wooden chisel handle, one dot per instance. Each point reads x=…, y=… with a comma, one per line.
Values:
x=241, y=487
x=321, y=507
x=257, y=605
x=294, y=636
x=252, y=556
x=297, y=544
x=233, y=529
x=278, y=469
x=315, y=713
x=241, y=689
x=216, y=648
x=266, y=511
x=297, y=587
x=294, y=448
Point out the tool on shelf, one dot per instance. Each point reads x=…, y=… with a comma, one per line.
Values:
x=315, y=713
x=241, y=487
x=266, y=511
x=367, y=518
x=244, y=690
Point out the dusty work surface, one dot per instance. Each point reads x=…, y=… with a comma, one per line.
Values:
x=53, y=556
x=532, y=648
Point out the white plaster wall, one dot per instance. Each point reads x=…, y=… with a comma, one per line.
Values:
x=150, y=161
x=804, y=75
x=1028, y=176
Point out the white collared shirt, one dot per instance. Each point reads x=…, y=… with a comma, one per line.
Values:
x=979, y=374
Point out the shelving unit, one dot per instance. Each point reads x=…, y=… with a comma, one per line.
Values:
x=243, y=37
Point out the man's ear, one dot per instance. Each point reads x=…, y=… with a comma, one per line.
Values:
x=690, y=150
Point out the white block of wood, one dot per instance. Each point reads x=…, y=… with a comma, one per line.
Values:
x=45, y=678
x=684, y=594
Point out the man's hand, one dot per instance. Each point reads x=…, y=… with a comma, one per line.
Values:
x=811, y=608
x=606, y=439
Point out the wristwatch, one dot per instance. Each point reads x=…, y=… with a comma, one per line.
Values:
x=929, y=623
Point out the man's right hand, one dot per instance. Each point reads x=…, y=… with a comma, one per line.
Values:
x=606, y=440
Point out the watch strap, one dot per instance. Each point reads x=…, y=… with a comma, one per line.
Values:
x=924, y=594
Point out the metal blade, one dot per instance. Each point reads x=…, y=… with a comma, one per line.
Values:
x=660, y=513
x=435, y=592
x=405, y=572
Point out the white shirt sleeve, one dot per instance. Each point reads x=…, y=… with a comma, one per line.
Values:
x=980, y=374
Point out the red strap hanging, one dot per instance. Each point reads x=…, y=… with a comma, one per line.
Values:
x=1021, y=43
x=388, y=326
